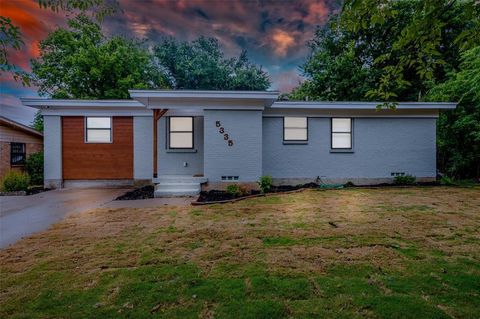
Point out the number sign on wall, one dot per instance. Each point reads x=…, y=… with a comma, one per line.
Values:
x=221, y=130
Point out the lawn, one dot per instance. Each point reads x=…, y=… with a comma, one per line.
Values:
x=352, y=253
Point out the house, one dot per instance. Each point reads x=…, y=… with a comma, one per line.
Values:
x=182, y=139
x=17, y=142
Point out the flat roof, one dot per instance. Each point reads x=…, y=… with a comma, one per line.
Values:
x=181, y=99
x=344, y=105
x=203, y=94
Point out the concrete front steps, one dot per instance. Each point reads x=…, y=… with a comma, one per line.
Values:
x=178, y=185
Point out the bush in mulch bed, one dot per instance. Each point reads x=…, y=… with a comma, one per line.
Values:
x=216, y=195
x=144, y=192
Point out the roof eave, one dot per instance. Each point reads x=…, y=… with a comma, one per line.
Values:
x=362, y=105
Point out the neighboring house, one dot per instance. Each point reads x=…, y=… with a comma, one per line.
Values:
x=181, y=139
x=17, y=141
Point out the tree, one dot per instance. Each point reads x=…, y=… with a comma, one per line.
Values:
x=97, y=8
x=351, y=63
x=79, y=62
x=418, y=51
x=11, y=36
x=201, y=65
x=459, y=129
x=38, y=121
x=11, y=39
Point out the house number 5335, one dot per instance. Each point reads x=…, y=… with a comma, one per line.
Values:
x=221, y=130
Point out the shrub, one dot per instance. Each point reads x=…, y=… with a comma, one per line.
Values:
x=447, y=181
x=234, y=190
x=15, y=181
x=34, y=168
x=405, y=180
x=265, y=183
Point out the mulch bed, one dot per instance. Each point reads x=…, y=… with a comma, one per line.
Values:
x=31, y=191
x=144, y=192
x=216, y=195
x=36, y=190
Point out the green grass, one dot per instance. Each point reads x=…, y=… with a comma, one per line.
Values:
x=393, y=254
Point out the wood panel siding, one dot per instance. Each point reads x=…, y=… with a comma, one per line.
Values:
x=88, y=161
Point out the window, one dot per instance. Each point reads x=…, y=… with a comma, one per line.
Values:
x=341, y=133
x=99, y=130
x=181, y=132
x=17, y=153
x=295, y=129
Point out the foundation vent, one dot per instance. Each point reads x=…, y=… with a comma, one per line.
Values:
x=397, y=174
x=229, y=178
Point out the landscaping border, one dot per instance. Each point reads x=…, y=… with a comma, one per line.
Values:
x=197, y=203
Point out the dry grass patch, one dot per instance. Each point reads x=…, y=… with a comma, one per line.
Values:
x=403, y=252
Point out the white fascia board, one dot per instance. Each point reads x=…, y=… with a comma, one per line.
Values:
x=41, y=103
x=204, y=99
x=413, y=113
x=205, y=104
x=361, y=105
x=196, y=94
x=96, y=111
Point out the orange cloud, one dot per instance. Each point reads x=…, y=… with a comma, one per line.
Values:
x=34, y=24
x=317, y=13
x=283, y=41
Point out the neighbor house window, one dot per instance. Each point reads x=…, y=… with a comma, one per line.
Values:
x=295, y=129
x=17, y=153
x=98, y=130
x=181, y=132
x=341, y=133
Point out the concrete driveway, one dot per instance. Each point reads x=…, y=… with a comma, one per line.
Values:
x=23, y=215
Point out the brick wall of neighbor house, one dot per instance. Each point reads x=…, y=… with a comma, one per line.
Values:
x=8, y=135
x=90, y=161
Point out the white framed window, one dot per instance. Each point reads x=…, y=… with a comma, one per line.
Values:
x=180, y=135
x=341, y=133
x=295, y=129
x=98, y=129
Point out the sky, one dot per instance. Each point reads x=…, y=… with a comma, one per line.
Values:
x=274, y=33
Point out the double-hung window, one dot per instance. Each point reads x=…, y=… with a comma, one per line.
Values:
x=98, y=130
x=295, y=129
x=17, y=153
x=180, y=132
x=341, y=133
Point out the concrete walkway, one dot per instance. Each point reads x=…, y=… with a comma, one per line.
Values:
x=23, y=215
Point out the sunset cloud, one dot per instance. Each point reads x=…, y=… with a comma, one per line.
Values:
x=283, y=41
x=274, y=33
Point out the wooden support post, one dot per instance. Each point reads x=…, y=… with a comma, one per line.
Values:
x=157, y=114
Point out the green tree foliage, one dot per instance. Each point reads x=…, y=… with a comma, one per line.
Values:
x=11, y=40
x=37, y=122
x=372, y=60
x=201, y=65
x=11, y=36
x=98, y=8
x=79, y=62
x=459, y=129
x=419, y=52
